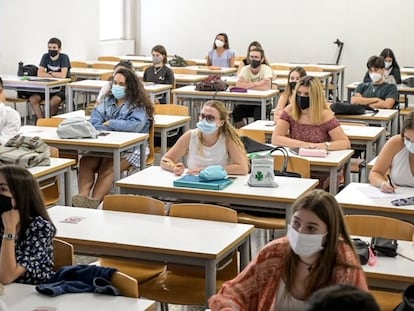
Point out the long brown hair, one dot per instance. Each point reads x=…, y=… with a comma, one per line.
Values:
x=323, y=205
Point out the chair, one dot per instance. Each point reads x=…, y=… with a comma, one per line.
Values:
x=171, y=109
x=295, y=164
x=63, y=254
x=183, y=70
x=280, y=67
x=391, y=228
x=185, y=285
x=77, y=64
x=109, y=58
x=191, y=62
x=126, y=284
x=17, y=100
x=103, y=66
x=313, y=68
x=140, y=270
x=259, y=136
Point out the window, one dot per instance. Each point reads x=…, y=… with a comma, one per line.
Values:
x=111, y=17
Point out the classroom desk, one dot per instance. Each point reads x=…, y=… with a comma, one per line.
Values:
x=181, y=78
x=254, y=97
x=205, y=70
x=358, y=135
x=363, y=198
x=94, y=86
x=57, y=167
x=165, y=123
x=89, y=73
x=114, y=143
x=36, y=84
x=136, y=65
x=154, y=237
x=337, y=72
x=155, y=181
x=392, y=273
x=19, y=297
x=383, y=118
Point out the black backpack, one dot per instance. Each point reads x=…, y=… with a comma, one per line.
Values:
x=26, y=71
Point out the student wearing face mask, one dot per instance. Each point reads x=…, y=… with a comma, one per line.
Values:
x=53, y=64
x=213, y=142
x=396, y=160
x=316, y=252
x=126, y=108
x=378, y=93
x=392, y=72
x=287, y=96
x=255, y=76
x=221, y=55
x=159, y=72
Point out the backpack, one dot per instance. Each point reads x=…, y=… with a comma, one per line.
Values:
x=26, y=71
x=177, y=61
x=76, y=127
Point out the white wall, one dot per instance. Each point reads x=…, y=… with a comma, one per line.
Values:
x=296, y=31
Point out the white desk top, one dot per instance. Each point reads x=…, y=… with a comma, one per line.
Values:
x=363, y=196
x=89, y=71
x=39, y=82
x=352, y=131
x=113, y=140
x=148, y=233
x=98, y=84
x=315, y=74
x=190, y=90
x=207, y=70
x=155, y=177
x=55, y=164
x=325, y=67
x=381, y=115
x=20, y=297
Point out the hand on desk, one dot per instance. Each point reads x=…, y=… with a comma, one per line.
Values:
x=178, y=169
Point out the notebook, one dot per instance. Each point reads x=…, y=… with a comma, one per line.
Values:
x=193, y=181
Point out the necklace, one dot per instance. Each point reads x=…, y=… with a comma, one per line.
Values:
x=157, y=71
x=309, y=265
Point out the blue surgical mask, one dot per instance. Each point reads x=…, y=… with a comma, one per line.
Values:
x=206, y=127
x=118, y=91
x=409, y=145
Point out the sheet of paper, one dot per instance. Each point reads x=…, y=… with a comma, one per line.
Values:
x=374, y=192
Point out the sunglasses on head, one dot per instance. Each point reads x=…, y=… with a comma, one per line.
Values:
x=208, y=117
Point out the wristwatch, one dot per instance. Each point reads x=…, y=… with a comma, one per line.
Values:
x=327, y=144
x=9, y=236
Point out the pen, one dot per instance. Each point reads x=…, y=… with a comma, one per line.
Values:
x=389, y=179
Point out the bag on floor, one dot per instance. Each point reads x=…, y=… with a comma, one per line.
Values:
x=25, y=151
x=75, y=128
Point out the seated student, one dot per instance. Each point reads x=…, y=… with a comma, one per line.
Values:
x=159, y=72
x=126, y=108
x=316, y=252
x=9, y=119
x=255, y=76
x=53, y=64
x=215, y=141
x=397, y=158
x=26, y=249
x=221, y=55
x=287, y=96
x=342, y=297
x=246, y=61
x=392, y=72
x=378, y=93
x=106, y=88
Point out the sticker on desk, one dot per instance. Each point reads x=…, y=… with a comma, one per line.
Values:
x=44, y=309
x=73, y=219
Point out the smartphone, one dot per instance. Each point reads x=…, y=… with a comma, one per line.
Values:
x=294, y=150
x=5, y=204
x=103, y=133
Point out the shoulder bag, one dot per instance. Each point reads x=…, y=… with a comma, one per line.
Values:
x=212, y=83
x=283, y=170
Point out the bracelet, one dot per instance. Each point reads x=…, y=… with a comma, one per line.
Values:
x=9, y=236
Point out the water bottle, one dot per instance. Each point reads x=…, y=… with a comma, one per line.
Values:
x=20, y=72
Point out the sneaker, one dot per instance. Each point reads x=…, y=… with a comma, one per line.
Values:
x=80, y=200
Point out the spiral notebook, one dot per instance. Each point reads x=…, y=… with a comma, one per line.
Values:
x=193, y=181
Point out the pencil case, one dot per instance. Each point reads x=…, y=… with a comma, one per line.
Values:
x=403, y=201
x=320, y=153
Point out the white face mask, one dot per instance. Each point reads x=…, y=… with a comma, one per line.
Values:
x=219, y=43
x=375, y=76
x=409, y=145
x=388, y=64
x=304, y=245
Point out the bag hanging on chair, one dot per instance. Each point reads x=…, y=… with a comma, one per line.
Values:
x=283, y=170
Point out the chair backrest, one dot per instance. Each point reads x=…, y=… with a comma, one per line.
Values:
x=102, y=66
x=54, y=152
x=280, y=67
x=312, y=68
x=50, y=122
x=259, y=136
x=133, y=204
x=106, y=76
x=295, y=164
x=191, y=62
x=203, y=211
x=182, y=70
x=373, y=225
x=78, y=64
x=127, y=285
x=171, y=109
x=109, y=58
x=63, y=254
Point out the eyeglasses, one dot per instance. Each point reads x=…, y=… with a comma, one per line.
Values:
x=208, y=117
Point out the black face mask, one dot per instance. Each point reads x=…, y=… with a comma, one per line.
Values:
x=5, y=203
x=303, y=102
x=255, y=63
x=53, y=53
x=292, y=85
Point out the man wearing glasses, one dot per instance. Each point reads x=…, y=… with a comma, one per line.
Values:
x=255, y=76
